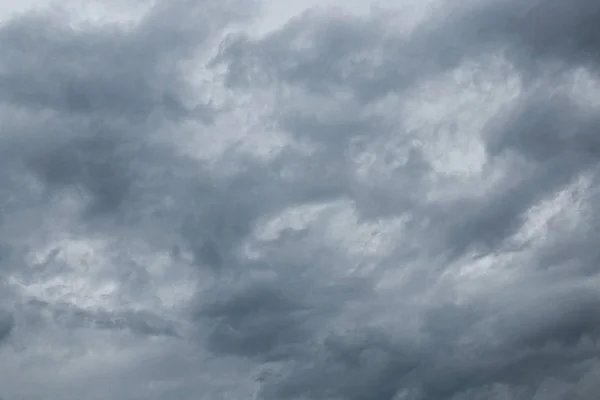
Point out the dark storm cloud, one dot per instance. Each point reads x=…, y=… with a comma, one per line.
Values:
x=257, y=322
x=106, y=71
x=93, y=165
x=548, y=136
x=541, y=123
x=578, y=253
x=487, y=226
x=81, y=110
x=362, y=55
x=355, y=365
x=547, y=30
x=227, y=210
x=71, y=317
x=556, y=138
x=275, y=319
x=551, y=141
x=100, y=86
x=6, y=325
x=96, y=112
x=469, y=347
x=546, y=127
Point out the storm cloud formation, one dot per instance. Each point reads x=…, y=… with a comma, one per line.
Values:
x=398, y=203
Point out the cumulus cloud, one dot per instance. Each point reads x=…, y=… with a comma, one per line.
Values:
x=352, y=205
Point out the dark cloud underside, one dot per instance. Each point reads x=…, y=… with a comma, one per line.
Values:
x=341, y=208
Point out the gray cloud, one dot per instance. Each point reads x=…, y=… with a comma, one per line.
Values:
x=6, y=325
x=137, y=322
x=283, y=229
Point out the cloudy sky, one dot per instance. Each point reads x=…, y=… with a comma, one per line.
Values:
x=299, y=199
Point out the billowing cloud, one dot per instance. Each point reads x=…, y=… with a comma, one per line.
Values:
x=349, y=204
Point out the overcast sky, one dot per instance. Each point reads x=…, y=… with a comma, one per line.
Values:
x=299, y=199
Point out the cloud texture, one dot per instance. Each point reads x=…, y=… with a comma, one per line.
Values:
x=398, y=203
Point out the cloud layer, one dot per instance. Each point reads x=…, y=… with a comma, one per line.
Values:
x=346, y=206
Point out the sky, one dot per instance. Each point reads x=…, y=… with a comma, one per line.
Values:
x=299, y=200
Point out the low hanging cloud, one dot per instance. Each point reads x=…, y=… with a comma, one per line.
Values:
x=351, y=205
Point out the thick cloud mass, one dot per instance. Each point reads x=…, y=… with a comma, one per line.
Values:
x=200, y=203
